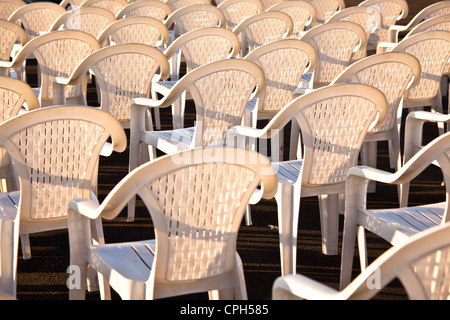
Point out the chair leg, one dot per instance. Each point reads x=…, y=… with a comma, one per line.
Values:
x=8, y=257
x=288, y=202
x=26, y=248
x=329, y=220
x=348, y=248
x=362, y=246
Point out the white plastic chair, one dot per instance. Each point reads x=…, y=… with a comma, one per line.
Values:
x=333, y=121
x=302, y=14
x=391, y=12
x=114, y=6
x=196, y=200
x=434, y=10
x=52, y=51
x=143, y=30
x=220, y=90
x=9, y=6
x=393, y=73
x=12, y=39
x=263, y=28
x=369, y=20
x=325, y=9
x=123, y=72
x=196, y=48
x=283, y=63
x=432, y=49
x=91, y=20
x=236, y=11
x=145, y=8
x=194, y=17
x=395, y=225
x=16, y=97
x=37, y=17
x=421, y=265
x=55, y=152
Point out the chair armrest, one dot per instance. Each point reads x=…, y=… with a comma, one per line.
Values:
x=394, y=30
x=86, y=207
x=301, y=287
x=385, y=46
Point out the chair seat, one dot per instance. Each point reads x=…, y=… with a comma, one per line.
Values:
x=170, y=141
x=288, y=171
x=397, y=225
x=131, y=260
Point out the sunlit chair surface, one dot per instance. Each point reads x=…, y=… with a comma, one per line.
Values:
x=51, y=51
x=197, y=47
x=114, y=6
x=195, y=227
x=12, y=39
x=347, y=36
x=143, y=30
x=37, y=17
x=219, y=105
x=434, y=10
x=16, y=97
x=145, y=8
x=91, y=20
x=71, y=4
x=421, y=265
x=363, y=17
x=325, y=9
x=194, y=17
x=414, y=126
x=263, y=28
x=333, y=122
x=392, y=73
x=395, y=225
x=302, y=14
x=391, y=12
x=283, y=63
x=236, y=11
x=123, y=72
x=9, y=6
x=266, y=4
x=178, y=4
x=55, y=151
x=432, y=49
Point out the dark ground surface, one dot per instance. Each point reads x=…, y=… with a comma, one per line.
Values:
x=44, y=276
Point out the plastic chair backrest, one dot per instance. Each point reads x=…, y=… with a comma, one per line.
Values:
x=302, y=13
x=114, y=6
x=325, y=9
x=236, y=11
x=145, y=8
x=10, y=33
x=7, y=7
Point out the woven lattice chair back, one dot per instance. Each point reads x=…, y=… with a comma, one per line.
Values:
x=48, y=181
x=37, y=17
x=220, y=91
x=263, y=28
x=391, y=11
x=91, y=20
x=205, y=45
x=7, y=7
x=334, y=121
x=347, y=36
x=10, y=34
x=236, y=11
x=196, y=200
x=52, y=51
x=178, y=4
x=194, y=17
x=114, y=6
x=123, y=72
x=269, y=3
x=367, y=19
x=325, y=9
x=283, y=63
x=16, y=96
x=441, y=22
x=302, y=14
x=143, y=30
x=432, y=49
x=392, y=73
x=145, y=8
